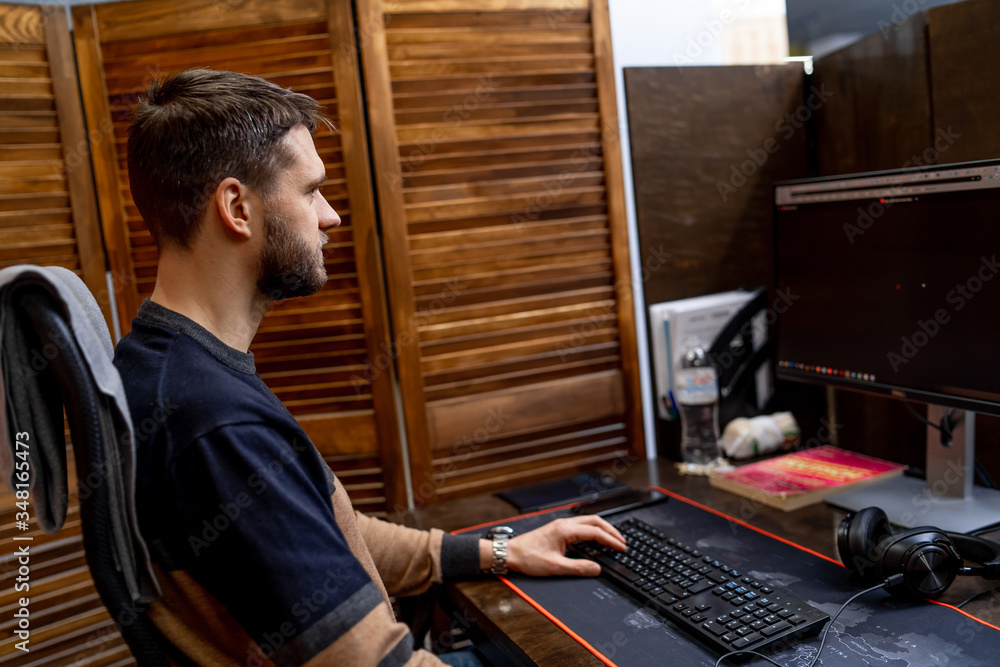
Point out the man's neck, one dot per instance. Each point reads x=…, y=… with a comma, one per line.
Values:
x=211, y=296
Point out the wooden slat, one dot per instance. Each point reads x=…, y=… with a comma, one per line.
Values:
x=394, y=7
x=509, y=281
x=143, y=20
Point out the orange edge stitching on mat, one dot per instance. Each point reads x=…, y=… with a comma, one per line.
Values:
x=565, y=628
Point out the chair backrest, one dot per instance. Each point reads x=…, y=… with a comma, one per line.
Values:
x=37, y=316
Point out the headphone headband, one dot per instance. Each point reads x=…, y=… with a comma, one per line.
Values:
x=978, y=550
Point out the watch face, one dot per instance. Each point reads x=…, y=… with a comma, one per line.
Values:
x=500, y=530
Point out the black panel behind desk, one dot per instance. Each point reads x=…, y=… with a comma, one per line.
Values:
x=876, y=629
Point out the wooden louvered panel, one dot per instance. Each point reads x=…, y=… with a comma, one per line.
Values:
x=47, y=208
x=316, y=353
x=501, y=203
x=48, y=217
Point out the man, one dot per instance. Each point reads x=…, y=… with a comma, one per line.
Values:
x=261, y=557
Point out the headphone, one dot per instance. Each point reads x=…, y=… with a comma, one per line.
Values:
x=927, y=558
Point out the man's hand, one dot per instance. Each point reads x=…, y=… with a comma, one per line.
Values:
x=541, y=552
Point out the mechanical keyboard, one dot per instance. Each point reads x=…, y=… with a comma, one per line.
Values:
x=718, y=604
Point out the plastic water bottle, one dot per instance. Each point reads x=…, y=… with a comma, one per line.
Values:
x=697, y=384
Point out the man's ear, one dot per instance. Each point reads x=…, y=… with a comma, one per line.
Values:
x=238, y=207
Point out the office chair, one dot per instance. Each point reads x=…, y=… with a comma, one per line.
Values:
x=37, y=315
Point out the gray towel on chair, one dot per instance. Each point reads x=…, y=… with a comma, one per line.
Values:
x=21, y=405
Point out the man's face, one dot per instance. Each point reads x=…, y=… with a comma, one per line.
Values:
x=296, y=213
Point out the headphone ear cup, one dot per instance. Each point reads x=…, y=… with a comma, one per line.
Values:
x=858, y=540
x=926, y=557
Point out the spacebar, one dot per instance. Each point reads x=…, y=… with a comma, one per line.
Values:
x=619, y=569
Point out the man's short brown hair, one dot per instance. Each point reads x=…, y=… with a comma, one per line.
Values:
x=198, y=127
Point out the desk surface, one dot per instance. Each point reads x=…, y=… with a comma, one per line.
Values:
x=525, y=636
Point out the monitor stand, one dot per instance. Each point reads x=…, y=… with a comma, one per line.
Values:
x=948, y=499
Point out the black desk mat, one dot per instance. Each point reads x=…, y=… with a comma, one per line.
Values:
x=876, y=629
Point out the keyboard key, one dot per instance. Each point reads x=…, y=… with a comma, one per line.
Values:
x=716, y=629
x=745, y=641
x=674, y=589
x=795, y=619
x=699, y=586
x=775, y=628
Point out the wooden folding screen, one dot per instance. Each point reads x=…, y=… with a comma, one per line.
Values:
x=48, y=214
x=318, y=354
x=495, y=144
x=48, y=217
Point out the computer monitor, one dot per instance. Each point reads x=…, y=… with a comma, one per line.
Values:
x=892, y=287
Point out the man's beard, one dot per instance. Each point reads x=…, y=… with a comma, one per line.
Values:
x=289, y=267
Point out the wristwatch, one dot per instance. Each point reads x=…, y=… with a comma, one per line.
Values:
x=501, y=536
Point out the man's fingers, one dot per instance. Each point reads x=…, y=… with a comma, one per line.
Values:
x=584, y=533
x=594, y=520
x=577, y=566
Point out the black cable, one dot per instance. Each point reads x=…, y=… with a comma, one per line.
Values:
x=891, y=581
x=977, y=595
x=946, y=427
x=920, y=416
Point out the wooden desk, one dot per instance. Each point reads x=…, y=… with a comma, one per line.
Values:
x=525, y=636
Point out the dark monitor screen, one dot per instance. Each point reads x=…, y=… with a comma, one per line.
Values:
x=893, y=283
